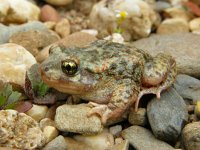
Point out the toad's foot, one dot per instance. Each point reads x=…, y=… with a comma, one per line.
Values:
x=101, y=109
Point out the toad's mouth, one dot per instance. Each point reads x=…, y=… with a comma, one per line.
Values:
x=64, y=86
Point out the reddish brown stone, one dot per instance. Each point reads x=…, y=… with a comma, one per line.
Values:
x=48, y=13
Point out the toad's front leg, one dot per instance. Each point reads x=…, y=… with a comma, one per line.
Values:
x=123, y=96
x=158, y=75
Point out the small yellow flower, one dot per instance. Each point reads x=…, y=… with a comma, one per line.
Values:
x=121, y=16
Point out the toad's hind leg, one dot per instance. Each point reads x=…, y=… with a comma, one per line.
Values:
x=123, y=96
x=159, y=75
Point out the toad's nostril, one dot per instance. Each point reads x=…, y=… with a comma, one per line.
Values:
x=46, y=69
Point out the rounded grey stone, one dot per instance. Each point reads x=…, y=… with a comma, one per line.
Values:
x=142, y=139
x=188, y=87
x=167, y=115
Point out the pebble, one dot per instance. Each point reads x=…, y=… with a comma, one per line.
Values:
x=78, y=39
x=190, y=136
x=51, y=111
x=18, y=11
x=121, y=146
x=47, y=122
x=173, y=25
x=167, y=116
x=192, y=118
x=50, y=25
x=73, y=118
x=177, y=12
x=85, y=6
x=197, y=109
x=195, y=24
x=63, y=28
x=48, y=13
x=56, y=144
x=50, y=133
x=115, y=37
x=115, y=130
x=6, y=32
x=100, y=141
x=37, y=112
x=59, y=2
x=108, y=20
x=186, y=53
x=72, y=144
x=142, y=139
x=138, y=118
x=34, y=40
x=160, y=6
x=14, y=62
x=18, y=130
x=188, y=87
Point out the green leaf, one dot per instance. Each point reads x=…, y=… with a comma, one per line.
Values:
x=7, y=90
x=8, y=97
x=2, y=100
x=13, y=97
x=43, y=89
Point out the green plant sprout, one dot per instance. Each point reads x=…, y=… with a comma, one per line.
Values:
x=8, y=97
x=40, y=88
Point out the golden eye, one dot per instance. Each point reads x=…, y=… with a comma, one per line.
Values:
x=69, y=67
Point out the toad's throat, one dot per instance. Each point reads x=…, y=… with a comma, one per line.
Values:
x=63, y=86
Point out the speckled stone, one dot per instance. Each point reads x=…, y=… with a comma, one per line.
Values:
x=190, y=136
x=73, y=118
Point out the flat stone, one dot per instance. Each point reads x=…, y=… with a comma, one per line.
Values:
x=142, y=139
x=73, y=118
x=6, y=32
x=77, y=39
x=56, y=144
x=186, y=53
x=167, y=116
x=188, y=87
x=190, y=136
x=34, y=41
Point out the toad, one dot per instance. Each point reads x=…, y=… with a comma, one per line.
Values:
x=111, y=76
